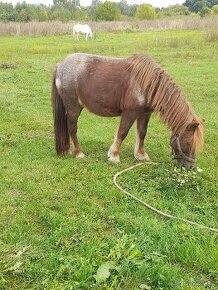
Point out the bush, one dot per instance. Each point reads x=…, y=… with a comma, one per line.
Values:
x=145, y=11
x=174, y=10
x=107, y=11
x=205, y=11
x=215, y=9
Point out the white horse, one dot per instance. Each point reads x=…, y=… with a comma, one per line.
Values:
x=83, y=28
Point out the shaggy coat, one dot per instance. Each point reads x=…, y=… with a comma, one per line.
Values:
x=132, y=88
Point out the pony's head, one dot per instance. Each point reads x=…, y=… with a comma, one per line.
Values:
x=185, y=144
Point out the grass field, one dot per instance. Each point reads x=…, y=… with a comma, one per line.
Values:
x=63, y=224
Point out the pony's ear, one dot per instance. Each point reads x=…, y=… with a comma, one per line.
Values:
x=194, y=124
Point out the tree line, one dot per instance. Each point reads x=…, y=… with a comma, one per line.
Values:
x=67, y=10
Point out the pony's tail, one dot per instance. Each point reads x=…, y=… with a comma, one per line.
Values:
x=62, y=139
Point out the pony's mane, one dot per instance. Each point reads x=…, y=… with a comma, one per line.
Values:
x=165, y=97
x=198, y=140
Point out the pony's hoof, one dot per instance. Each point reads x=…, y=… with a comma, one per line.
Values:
x=80, y=155
x=114, y=159
x=142, y=157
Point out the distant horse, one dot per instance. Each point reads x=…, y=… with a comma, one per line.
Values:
x=82, y=28
x=132, y=88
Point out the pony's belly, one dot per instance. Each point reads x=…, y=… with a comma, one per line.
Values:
x=101, y=108
x=104, y=111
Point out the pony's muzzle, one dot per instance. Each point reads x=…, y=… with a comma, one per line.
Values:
x=188, y=165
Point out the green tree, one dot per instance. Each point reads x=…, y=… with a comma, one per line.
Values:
x=42, y=12
x=66, y=3
x=92, y=8
x=205, y=11
x=107, y=11
x=126, y=9
x=123, y=7
x=66, y=10
x=7, y=12
x=145, y=11
x=81, y=13
x=212, y=3
x=174, y=10
x=197, y=5
x=25, y=12
x=132, y=9
x=61, y=13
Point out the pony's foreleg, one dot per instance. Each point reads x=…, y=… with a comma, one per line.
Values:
x=127, y=119
x=142, y=125
x=72, y=128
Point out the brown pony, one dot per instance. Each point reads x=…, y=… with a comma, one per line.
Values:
x=132, y=88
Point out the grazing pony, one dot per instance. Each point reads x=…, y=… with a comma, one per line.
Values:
x=82, y=28
x=132, y=88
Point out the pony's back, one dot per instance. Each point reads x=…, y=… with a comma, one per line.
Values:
x=84, y=28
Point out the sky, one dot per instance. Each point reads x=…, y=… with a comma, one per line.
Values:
x=155, y=3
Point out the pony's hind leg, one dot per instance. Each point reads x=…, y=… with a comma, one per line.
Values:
x=72, y=128
x=127, y=119
x=142, y=125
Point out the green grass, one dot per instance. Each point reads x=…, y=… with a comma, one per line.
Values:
x=62, y=218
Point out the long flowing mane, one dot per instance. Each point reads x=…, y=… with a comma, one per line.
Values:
x=165, y=97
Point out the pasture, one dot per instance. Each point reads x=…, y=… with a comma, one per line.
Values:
x=63, y=223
